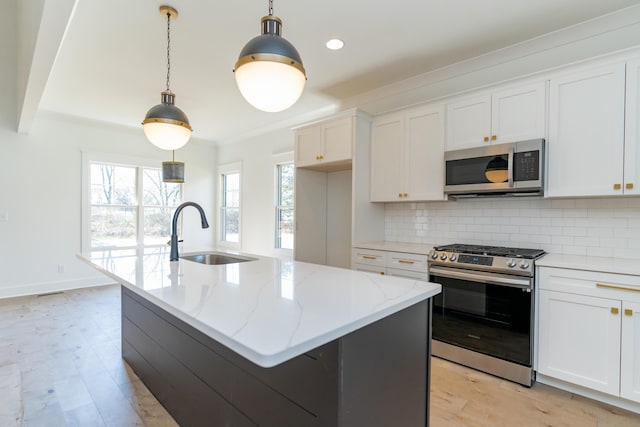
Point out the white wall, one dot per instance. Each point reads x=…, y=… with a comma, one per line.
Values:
x=608, y=227
x=40, y=188
x=258, y=187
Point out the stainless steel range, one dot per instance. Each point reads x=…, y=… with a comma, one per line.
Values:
x=484, y=316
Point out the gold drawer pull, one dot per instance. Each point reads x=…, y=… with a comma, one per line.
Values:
x=628, y=312
x=368, y=257
x=405, y=195
x=493, y=137
x=617, y=186
x=614, y=310
x=620, y=288
x=486, y=139
x=629, y=186
x=399, y=194
x=404, y=261
x=382, y=273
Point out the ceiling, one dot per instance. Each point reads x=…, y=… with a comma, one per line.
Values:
x=111, y=60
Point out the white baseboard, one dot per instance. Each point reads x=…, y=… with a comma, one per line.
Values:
x=591, y=394
x=49, y=287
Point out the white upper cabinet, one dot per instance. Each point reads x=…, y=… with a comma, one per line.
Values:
x=407, y=155
x=508, y=115
x=324, y=143
x=632, y=130
x=586, y=132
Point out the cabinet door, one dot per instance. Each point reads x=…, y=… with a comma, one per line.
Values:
x=468, y=122
x=308, y=145
x=336, y=139
x=630, y=358
x=632, y=130
x=387, y=158
x=370, y=268
x=424, y=154
x=518, y=114
x=579, y=340
x=586, y=133
x=408, y=274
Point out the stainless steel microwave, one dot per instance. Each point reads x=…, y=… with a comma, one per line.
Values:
x=496, y=170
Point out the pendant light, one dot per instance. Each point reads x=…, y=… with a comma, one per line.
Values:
x=497, y=170
x=269, y=71
x=173, y=171
x=165, y=125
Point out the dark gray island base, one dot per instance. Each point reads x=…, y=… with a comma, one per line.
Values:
x=375, y=376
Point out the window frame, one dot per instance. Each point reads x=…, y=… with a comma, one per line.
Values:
x=140, y=164
x=279, y=160
x=228, y=169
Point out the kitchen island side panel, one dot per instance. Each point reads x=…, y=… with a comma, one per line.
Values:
x=201, y=382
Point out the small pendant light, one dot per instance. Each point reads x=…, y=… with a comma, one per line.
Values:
x=165, y=125
x=173, y=171
x=269, y=72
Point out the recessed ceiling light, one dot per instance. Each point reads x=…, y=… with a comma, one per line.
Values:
x=335, y=44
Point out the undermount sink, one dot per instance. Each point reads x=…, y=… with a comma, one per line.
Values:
x=215, y=258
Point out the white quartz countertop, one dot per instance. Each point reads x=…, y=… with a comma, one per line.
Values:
x=268, y=310
x=591, y=263
x=412, y=248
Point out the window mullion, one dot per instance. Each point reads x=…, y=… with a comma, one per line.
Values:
x=140, y=206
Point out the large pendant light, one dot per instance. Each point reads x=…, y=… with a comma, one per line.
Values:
x=269, y=71
x=165, y=125
x=497, y=170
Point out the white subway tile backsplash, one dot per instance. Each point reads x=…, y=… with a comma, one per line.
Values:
x=598, y=227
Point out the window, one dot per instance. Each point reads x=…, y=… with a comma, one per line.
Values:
x=284, y=205
x=128, y=205
x=230, y=203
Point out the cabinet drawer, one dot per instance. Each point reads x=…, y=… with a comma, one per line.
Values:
x=406, y=261
x=603, y=285
x=370, y=257
x=409, y=274
x=370, y=268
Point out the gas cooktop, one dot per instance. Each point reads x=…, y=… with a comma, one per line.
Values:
x=492, y=251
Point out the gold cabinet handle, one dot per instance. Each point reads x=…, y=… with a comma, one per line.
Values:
x=368, y=257
x=486, y=139
x=628, y=312
x=493, y=137
x=404, y=261
x=620, y=288
x=629, y=186
x=382, y=273
x=614, y=310
x=617, y=186
x=405, y=195
x=399, y=194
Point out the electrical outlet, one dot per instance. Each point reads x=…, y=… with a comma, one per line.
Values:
x=61, y=268
x=4, y=216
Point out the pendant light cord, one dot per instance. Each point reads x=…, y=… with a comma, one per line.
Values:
x=270, y=7
x=168, y=49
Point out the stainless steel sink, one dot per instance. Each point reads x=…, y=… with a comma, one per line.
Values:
x=215, y=258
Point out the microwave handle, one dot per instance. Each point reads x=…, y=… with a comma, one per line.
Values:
x=510, y=167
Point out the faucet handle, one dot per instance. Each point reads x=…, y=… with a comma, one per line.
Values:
x=169, y=242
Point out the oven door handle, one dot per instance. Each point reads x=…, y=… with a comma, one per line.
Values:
x=482, y=278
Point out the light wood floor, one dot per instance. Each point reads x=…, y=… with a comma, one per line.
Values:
x=60, y=365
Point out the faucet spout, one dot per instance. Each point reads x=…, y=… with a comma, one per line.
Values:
x=174, y=256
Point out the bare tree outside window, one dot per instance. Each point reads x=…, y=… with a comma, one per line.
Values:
x=118, y=207
x=284, y=206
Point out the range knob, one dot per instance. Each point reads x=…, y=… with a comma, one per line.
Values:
x=434, y=255
x=511, y=263
x=453, y=257
x=524, y=264
x=443, y=256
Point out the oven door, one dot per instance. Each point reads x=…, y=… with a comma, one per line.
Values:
x=484, y=312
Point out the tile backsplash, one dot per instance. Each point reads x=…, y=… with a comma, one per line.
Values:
x=608, y=227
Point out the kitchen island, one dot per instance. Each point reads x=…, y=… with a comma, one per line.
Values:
x=274, y=342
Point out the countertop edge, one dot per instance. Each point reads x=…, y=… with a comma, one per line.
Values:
x=269, y=360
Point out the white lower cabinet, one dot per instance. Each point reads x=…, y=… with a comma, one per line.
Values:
x=589, y=330
x=399, y=264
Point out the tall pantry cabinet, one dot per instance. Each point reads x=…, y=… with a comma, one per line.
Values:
x=332, y=207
